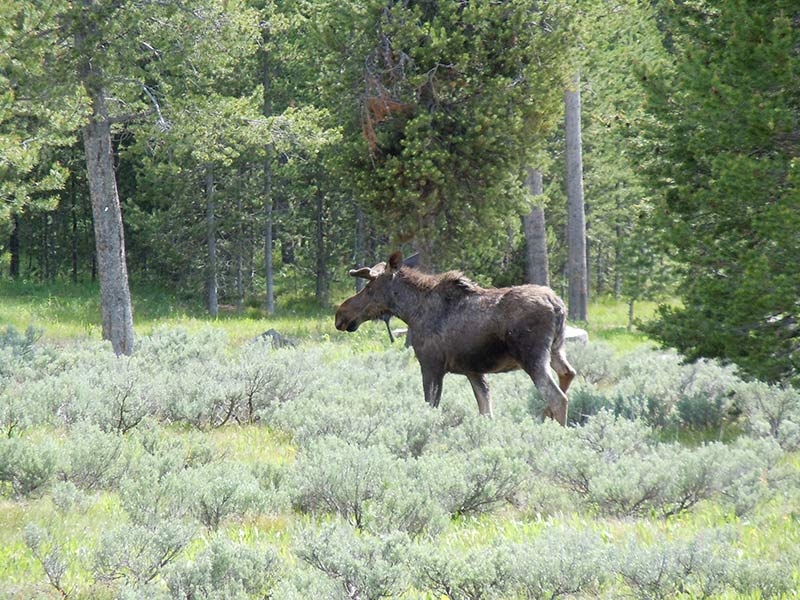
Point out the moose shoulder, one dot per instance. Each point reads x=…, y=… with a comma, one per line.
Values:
x=457, y=326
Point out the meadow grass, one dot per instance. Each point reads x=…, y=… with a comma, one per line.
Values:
x=66, y=311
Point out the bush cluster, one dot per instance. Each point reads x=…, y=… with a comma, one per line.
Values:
x=657, y=387
x=378, y=478
x=173, y=378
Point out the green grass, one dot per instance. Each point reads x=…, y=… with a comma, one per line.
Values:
x=67, y=312
x=608, y=321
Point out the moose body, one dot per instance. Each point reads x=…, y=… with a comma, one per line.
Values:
x=459, y=327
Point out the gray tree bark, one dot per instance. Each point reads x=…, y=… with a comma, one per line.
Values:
x=618, y=262
x=533, y=224
x=359, y=257
x=269, y=275
x=74, y=217
x=112, y=269
x=321, y=267
x=211, y=243
x=239, y=250
x=13, y=247
x=576, y=218
x=110, y=261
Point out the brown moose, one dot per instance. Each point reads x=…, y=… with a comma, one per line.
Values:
x=457, y=326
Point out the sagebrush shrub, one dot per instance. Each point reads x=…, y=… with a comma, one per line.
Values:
x=406, y=506
x=334, y=476
x=365, y=566
x=94, y=459
x=20, y=344
x=596, y=363
x=768, y=579
x=619, y=468
x=664, y=569
x=225, y=570
x=472, y=483
x=223, y=489
x=164, y=452
x=559, y=562
x=457, y=573
x=137, y=554
x=49, y=553
x=771, y=411
x=27, y=465
x=66, y=497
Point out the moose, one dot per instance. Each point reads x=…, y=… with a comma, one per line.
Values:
x=456, y=326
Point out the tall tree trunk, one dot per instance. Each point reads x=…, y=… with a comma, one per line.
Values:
x=599, y=287
x=239, y=251
x=588, y=261
x=358, y=251
x=74, y=216
x=13, y=247
x=268, y=200
x=617, y=263
x=211, y=242
x=425, y=244
x=536, y=263
x=112, y=269
x=109, y=235
x=630, y=314
x=46, y=247
x=322, y=271
x=576, y=218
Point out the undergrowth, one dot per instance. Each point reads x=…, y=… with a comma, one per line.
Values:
x=198, y=468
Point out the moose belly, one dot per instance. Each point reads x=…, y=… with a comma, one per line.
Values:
x=489, y=358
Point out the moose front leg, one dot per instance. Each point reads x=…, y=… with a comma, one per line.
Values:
x=432, y=377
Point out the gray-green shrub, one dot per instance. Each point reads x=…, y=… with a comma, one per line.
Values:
x=557, y=563
x=222, y=489
x=49, y=553
x=457, y=573
x=333, y=476
x=365, y=566
x=225, y=570
x=27, y=465
x=617, y=467
x=136, y=554
x=94, y=459
x=472, y=483
x=772, y=411
x=662, y=570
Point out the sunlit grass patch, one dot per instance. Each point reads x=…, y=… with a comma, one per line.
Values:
x=253, y=444
x=608, y=322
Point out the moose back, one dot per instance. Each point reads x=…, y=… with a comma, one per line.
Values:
x=457, y=326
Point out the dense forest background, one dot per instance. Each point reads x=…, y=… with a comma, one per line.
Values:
x=250, y=152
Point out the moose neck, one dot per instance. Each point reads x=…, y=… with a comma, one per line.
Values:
x=412, y=298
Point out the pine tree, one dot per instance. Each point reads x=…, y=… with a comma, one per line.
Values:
x=443, y=102
x=724, y=154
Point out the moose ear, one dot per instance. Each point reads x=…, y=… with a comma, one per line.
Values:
x=411, y=261
x=363, y=272
x=396, y=260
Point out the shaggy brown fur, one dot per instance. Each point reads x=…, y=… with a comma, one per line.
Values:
x=457, y=326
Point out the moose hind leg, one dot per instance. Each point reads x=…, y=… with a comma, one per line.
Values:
x=556, y=399
x=566, y=373
x=481, y=390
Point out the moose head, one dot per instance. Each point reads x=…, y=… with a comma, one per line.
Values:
x=375, y=300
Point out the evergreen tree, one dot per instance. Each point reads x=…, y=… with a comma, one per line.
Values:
x=442, y=104
x=724, y=155
x=32, y=124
